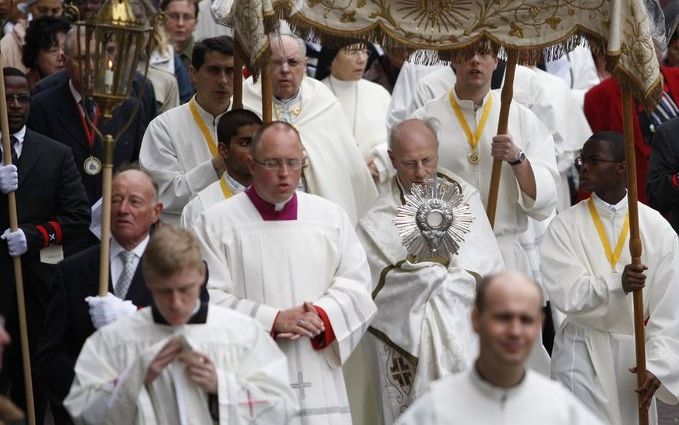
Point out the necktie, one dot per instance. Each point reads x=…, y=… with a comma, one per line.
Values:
x=125, y=278
x=90, y=107
x=13, y=140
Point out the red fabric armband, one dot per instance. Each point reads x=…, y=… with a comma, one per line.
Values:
x=675, y=180
x=45, y=236
x=325, y=338
x=57, y=230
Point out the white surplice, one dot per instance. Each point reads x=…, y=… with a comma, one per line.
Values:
x=218, y=191
x=260, y=267
x=336, y=170
x=466, y=398
x=422, y=330
x=175, y=153
x=253, y=386
x=365, y=106
x=594, y=347
x=528, y=133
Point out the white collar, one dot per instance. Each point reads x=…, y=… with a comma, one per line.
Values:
x=138, y=250
x=20, y=135
x=342, y=84
x=205, y=114
x=74, y=92
x=469, y=105
x=610, y=210
x=492, y=391
x=293, y=99
x=233, y=183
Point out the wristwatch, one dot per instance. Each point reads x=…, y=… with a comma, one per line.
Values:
x=519, y=159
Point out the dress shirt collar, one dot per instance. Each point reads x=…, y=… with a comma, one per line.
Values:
x=19, y=145
x=608, y=210
x=138, y=250
x=74, y=92
x=233, y=183
x=492, y=391
x=208, y=117
x=469, y=105
x=286, y=210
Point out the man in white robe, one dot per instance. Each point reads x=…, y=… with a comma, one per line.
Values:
x=336, y=170
x=234, y=134
x=179, y=148
x=499, y=389
x=588, y=276
x=180, y=361
x=433, y=339
x=365, y=106
x=293, y=262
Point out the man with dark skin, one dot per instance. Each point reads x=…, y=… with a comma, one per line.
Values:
x=589, y=276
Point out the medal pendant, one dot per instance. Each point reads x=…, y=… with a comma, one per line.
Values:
x=92, y=165
x=473, y=158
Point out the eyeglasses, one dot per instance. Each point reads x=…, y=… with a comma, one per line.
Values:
x=580, y=161
x=176, y=17
x=292, y=63
x=21, y=98
x=276, y=164
x=413, y=165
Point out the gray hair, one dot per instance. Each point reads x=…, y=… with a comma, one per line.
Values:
x=301, y=45
x=430, y=123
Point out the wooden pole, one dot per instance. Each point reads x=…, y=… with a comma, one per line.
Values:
x=107, y=178
x=634, y=243
x=267, y=89
x=507, y=94
x=237, y=74
x=18, y=274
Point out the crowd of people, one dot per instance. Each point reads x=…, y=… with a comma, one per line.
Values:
x=256, y=274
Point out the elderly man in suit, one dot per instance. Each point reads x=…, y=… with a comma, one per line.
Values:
x=53, y=218
x=61, y=112
x=76, y=310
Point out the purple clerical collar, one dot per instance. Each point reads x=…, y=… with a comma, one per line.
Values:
x=268, y=210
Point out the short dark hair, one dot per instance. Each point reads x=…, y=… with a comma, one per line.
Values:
x=615, y=140
x=9, y=71
x=222, y=44
x=233, y=120
x=257, y=137
x=165, y=3
x=42, y=35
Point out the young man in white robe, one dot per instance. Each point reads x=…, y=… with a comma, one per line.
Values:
x=179, y=148
x=499, y=389
x=293, y=262
x=589, y=277
x=421, y=330
x=234, y=134
x=180, y=361
x=364, y=103
x=336, y=170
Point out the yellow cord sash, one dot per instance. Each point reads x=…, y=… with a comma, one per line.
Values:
x=613, y=256
x=209, y=140
x=472, y=138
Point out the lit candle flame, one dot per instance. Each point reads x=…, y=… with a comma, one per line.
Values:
x=110, y=64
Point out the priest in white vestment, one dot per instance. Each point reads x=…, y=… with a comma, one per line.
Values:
x=588, y=276
x=234, y=134
x=179, y=148
x=499, y=389
x=293, y=262
x=336, y=170
x=365, y=105
x=421, y=331
x=180, y=361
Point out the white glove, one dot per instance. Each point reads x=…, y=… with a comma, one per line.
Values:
x=108, y=309
x=16, y=242
x=9, y=178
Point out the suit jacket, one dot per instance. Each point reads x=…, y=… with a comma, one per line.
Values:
x=603, y=109
x=55, y=114
x=51, y=204
x=663, y=192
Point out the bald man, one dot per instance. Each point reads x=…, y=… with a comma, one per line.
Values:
x=336, y=170
x=416, y=345
x=293, y=262
x=507, y=317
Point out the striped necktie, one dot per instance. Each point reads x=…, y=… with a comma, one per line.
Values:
x=125, y=278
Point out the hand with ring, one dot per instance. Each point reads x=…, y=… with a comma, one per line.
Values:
x=300, y=321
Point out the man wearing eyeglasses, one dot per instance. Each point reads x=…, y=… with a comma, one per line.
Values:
x=588, y=275
x=54, y=216
x=421, y=330
x=179, y=149
x=293, y=262
x=336, y=169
